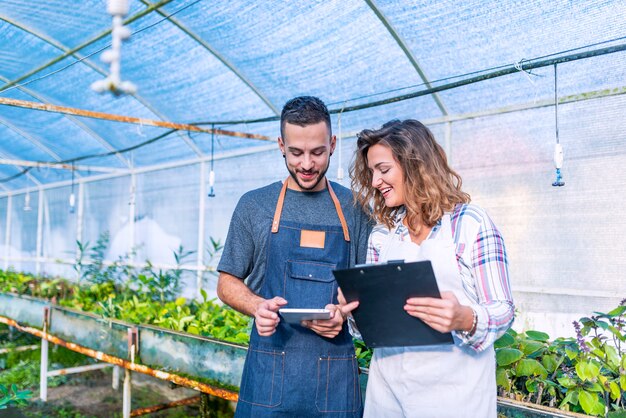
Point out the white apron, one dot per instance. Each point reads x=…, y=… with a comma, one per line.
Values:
x=431, y=381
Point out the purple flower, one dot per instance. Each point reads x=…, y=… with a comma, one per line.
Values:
x=579, y=338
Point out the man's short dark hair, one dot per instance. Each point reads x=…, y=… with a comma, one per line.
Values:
x=304, y=111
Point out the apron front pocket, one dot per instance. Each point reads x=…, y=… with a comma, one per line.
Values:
x=309, y=284
x=338, y=387
x=262, y=380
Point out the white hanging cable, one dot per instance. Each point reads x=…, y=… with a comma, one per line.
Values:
x=119, y=33
x=212, y=173
x=27, y=207
x=558, y=149
x=72, y=201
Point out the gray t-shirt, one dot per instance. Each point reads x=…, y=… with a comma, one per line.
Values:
x=245, y=250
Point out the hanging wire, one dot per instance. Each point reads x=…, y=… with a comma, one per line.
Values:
x=72, y=195
x=212, y=173
x=558, y=149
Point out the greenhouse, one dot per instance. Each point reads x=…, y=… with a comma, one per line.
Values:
x=130, y=130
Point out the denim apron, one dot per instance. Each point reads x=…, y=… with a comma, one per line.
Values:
x=295, y=372
x=437, y=381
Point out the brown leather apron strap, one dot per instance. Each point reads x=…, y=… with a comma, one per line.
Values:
x=279, y=207
x=342, y=219
x=281, y=201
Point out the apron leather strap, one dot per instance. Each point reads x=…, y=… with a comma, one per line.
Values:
x=342, y=219
x=279, y=207
x=281, y=201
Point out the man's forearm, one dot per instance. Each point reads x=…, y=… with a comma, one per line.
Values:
x=233, y=291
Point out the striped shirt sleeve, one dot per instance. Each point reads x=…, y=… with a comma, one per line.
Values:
x=483, y=264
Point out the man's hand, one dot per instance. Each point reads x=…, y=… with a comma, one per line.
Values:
x=444, y=315
x=266, y=316
x=330, y=328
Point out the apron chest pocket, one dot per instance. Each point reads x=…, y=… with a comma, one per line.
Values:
x=338, y=387
x=309, y=284
x=262, y=382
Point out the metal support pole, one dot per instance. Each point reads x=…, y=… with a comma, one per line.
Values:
x=43, y=373
x=116, y=378
x=80, y=214
x=7, y=234
x=39, y=245
x=133, y=347
x=201, y=210
x=127, y=394
x=131, y=215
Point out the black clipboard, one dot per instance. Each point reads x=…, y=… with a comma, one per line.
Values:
x=382, y=290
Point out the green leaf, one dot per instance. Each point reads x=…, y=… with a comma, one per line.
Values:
x=590, y=403
x=612, y=357
x=529, y=347
x=502, y=379
x=593, y=387
x=506, y=356
x=531, y=385
x=617, y=414
x=617, y=333
x=505, y=341
x=550, y=363
x=571, y=354
x=614, y=390
x=617, y=311
x=570, y=398
x=567, y=382
x=587, y=370
x=537, y=335
x=530, y=367
x=622, y=382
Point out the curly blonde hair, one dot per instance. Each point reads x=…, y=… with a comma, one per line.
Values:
x=431, y=187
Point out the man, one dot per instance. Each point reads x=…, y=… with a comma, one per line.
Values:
x=285, y=239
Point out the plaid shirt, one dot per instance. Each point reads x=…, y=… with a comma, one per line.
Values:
x=483, y=266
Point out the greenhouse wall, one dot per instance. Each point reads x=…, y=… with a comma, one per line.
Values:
x=566, y=252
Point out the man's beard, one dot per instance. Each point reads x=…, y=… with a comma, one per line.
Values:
x=320, y=177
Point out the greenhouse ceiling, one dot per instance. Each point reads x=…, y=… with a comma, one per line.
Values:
x=211, y=77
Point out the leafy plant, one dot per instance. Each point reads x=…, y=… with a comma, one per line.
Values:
x=12, y=396
x=586, y=374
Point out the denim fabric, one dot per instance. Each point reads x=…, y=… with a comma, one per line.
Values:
x=295, y=372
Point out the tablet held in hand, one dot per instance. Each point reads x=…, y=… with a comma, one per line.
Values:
x=295, y=316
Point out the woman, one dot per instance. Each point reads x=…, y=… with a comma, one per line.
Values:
x=402, y=174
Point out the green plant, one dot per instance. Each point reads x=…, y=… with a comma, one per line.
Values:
x=585, y=374
x=12, y=396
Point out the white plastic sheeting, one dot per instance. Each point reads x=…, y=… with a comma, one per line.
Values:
x=219, y=62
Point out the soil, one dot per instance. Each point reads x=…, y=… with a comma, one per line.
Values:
x=90, y=395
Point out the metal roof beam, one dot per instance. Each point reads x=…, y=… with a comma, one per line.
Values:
x=158, y=167
x=74, y=120
x=381, y=16
x=28, y=175
x=126, y=119
x=96, y=68
x=60, y=166
x=220, y=57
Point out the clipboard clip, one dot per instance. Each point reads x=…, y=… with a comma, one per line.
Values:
x=395, y=261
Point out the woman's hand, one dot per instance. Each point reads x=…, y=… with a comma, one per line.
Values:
x=330, y=328
x=444, y=315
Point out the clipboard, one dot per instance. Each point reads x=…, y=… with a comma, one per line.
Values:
x=382, y=290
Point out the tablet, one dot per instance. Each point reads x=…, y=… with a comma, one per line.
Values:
x=294, y=316
x=382, y=290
